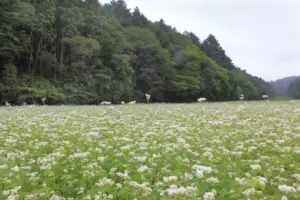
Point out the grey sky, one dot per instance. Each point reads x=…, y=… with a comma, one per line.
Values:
x=261, y=36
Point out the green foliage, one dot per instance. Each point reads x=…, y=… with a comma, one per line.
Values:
x=143, y=151
x=82, y=47
x=252, y=87
x=9, y=83
x=294, y=89
x=121, y=12
x=281, y=85
x=17, y=17
x=33, y=89
x=151, y=63
x=85, y=53
x=137, y=18
x=213, y=49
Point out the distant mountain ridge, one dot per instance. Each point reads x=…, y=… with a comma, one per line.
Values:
x=281, y=86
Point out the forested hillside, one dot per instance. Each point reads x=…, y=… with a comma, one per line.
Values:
x=293, y=90
x=281, y=86
x=83, y=52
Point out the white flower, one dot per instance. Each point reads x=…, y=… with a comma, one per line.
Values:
x=141, y=158
x=105, y=182
x=251, y=191
x=247, y=174
x=169, y=179
x=189, y=191
x=5, y=192
x=101, y=159
x=15, y=169
x=141, y=188
x=287, y=189
x=209, y=196
x=241, y=181
x=79, y=155
x=132, y=102
x=13, y=197
x=3, y=166
x=202, y=168
x=122, y=175
x=212, y=180
x=296, y=176
x=105, y=103
x=255, y=167
x=55, y=197
x=187, y=176
x=262, y=180
x=143, y=169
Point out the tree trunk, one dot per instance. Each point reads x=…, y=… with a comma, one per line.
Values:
x=35, y=7
x=61, y=57
x=30, y=51
x=58, y=40
x=54, y=73
x=41, y=67
x=62, y=49
x=37, y=57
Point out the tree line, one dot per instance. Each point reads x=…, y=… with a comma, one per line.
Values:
x=85, y=52
x=288, y=87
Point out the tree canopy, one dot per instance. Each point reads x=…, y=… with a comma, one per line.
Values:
x=85, y=52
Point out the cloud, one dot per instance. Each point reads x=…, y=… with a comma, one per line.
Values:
x=262, y=37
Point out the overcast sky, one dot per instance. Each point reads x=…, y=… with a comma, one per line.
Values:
x=261, y=36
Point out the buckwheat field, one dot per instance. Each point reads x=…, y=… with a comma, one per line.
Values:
x=241, y=150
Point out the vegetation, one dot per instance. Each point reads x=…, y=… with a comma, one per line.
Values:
x=294, y=89
x=207, y=151
x=281, y=86
x=83, y=52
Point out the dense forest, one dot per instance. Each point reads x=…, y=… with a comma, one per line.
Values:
x=287, y=87
x=294, y=89
x=85, y=52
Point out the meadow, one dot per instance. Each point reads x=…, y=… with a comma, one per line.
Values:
x=240, y=150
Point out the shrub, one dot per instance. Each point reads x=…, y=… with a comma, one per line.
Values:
x=34, y=89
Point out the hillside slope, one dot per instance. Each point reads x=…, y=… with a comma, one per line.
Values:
x=281, y=85
x=83, y=52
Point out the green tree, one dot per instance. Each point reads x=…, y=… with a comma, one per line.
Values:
x=82, y=52
x=294, y=89
x=138, y=19
x=163, y=33
x=212, y=48
x=193, y=38
x=151, y=63
x=17, y=21
x=240, y=81
x=9, y=83
x=121, y=12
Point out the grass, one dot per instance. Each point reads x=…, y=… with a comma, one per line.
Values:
x=207, y=151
